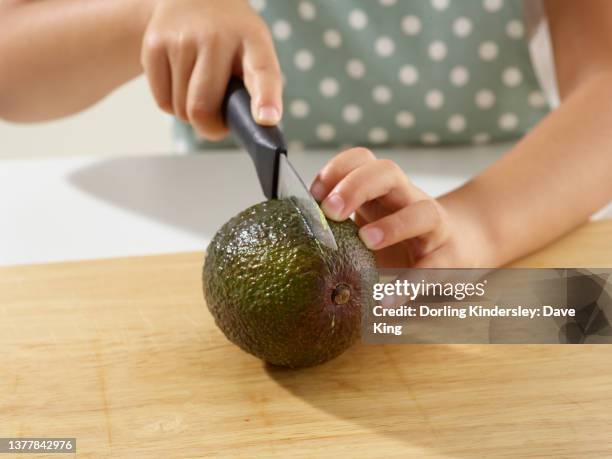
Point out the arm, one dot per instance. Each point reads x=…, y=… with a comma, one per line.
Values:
x=561, y=172
x=55, y=53
x=550, y=182
x=60, y=56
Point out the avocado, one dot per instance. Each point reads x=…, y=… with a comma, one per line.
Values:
x=279, y=294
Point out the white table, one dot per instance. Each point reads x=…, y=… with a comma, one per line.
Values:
x=98, y=207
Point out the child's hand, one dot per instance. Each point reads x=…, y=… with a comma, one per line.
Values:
x=190, y=50
x=403, y=225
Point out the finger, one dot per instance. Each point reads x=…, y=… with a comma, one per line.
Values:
x=156, y=66
x=418, y=219
x=337, y=168
x=182, y=58
x=262, y=77
x=206, y=91
x=375, y=179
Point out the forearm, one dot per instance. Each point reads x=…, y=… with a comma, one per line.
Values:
x=550, y=182
x=60, y=56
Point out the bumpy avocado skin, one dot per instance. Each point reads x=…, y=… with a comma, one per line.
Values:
x=269, y=285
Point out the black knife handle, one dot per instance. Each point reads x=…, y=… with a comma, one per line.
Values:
x=264, y=144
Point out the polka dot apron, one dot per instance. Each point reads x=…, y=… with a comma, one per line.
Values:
x=399, y=72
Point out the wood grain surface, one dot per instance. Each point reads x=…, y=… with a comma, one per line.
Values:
x=123, y=355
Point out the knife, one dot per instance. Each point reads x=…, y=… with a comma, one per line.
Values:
x=267, y=148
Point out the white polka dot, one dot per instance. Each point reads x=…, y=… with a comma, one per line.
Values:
x=328, y=87
x=303, y=59
x=484, y=99
x=411, y=25
x=462, y=27
x=515, y=29
x=378, y=135
x=181, y=145
x=358, y=19
x=459, y=76
x=440, y=4
x=355, y=68
x=508, y=121
x=352, y=113
x=258, y=5
x=408, y=75
x=456, y=123
x=492, y=5
x=295, y=145
x=404, y=119
x=430, y=138
x=388, y=2
x=481, y=138
x=281, y=30
x=384, y=46
x=332, y=38
x=307, y=11
x=382, y=94
x=437, y=50
x=512, y=77
x=434, y=99
x=488, y=51
x=299, y=108
x=326, y=132
x=536, y=99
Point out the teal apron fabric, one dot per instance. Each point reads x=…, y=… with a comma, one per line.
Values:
x=400, y=72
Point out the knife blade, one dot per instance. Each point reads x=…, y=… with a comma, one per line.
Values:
x=290, y=186
x=266, y=146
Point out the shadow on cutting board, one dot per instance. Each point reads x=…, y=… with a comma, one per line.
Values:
x=462, y=400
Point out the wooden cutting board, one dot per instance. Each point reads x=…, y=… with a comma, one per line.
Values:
x=123, y=355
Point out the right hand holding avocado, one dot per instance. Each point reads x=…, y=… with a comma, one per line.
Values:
x=403, y=225
x=192, y=47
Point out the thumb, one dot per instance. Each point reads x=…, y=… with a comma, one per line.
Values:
x=263, y=79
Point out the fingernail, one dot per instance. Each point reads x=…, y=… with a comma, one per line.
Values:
x=333, y=206
x=371, y=236
x=317, y=189
x=268, y=115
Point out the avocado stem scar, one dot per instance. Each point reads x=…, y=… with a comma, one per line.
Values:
x=341, y=294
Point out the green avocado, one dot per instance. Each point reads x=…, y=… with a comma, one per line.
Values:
x=279, y=294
